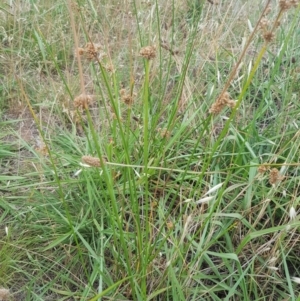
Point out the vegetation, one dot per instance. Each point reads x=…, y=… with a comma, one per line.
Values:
x=149, y=150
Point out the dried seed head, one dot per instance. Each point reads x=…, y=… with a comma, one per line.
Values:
x=216, y=108
x=109, y=68
x=92, y=161
x=263, y=24
x=284, y=4
x=263, y=168
x=122, y=92
x=294, y=3
x=92, y=50
x=231, y=103
x=221, y=102
x=81, y=51
x=128, y=99
x=148, y=52
x=268, y=36
x=274, y=176
x=83, y=101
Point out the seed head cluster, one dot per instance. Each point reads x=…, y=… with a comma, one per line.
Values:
x=126, y=97
x=285, y=4
x=268, y=29
x=268, y=36
x=222, y=101
x=274, y=176
x=83, y=101
x=148, y=52
x=90, y=51
x=109, y=68
x=267, y=33
x=262, y=169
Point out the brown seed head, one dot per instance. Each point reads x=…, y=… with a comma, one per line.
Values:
x=284, y=4
x=128, y=99
x=148, y=52
x=109, y=68
x=268, y=36
x=122, y=92
x=231, y=103
x=263, y=168
x=81, y=51
x=216, y=108
x=274, y=176
x=221, y=102
x=92, y=161
x=263, y=24
x=83, y=101
x=294, y=3
x=91, y=50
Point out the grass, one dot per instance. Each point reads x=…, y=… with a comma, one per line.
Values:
x=127, y=177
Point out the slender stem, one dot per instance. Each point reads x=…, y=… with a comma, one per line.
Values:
x=82, y=86
x=146, y=188
x=146, y=114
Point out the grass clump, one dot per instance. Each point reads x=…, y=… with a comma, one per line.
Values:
x=150, y=151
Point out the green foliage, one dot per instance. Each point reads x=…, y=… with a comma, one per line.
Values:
x=181, y=205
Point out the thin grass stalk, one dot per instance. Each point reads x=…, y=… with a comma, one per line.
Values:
x=145, y=101
x=82, y=86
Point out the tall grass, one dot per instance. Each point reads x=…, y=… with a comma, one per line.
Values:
x=154, y=153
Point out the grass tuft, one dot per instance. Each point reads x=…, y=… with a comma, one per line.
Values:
x=149, y=151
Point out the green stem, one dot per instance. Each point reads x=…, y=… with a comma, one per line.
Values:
x=144, y=256
x=146, y=114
